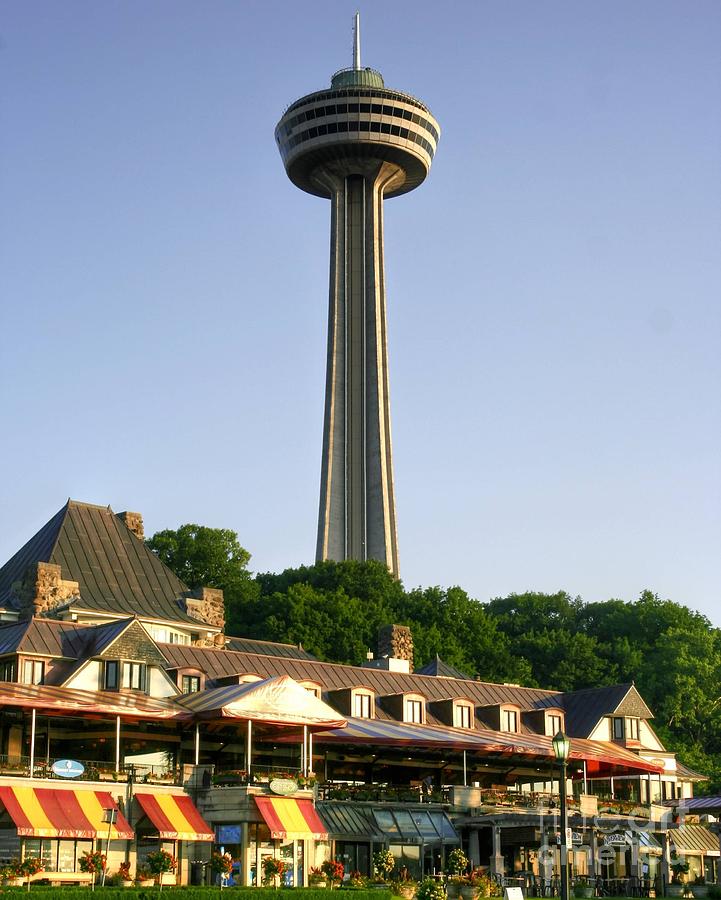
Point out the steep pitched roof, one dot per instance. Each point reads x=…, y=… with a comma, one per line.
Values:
x=586, y=708
x=45, y=637
x=438, y=667
x=116, y=572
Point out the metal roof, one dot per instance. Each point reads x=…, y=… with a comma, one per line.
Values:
x=694, y=839
x=115, y=571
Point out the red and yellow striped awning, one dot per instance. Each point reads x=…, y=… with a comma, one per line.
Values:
x=176, y=817
x=290, y=819
x=62, y=813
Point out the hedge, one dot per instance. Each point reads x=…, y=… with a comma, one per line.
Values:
x=191, y=893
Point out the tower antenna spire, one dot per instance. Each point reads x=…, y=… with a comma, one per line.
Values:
x=356, y=41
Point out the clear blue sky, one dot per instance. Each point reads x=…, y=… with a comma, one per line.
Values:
x=553, y=288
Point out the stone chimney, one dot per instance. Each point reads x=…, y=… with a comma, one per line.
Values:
x=395, y=649
x=133, y=521
x=42, y=589
x=206, y=605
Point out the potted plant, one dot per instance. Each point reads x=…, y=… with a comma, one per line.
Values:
x=162, y=864
x=481, y=883
x=700, y=888
x=383, y=864
x=221, y=865
x=430, y=889
x=317, y=878
x=334, y=870
x=143, y=876
x=92, y=862
x=680, y=871
x=357, y=879
x=456, y=865
x=273, y=870
x=25, y=870
x=123, y=875
x=583, y=890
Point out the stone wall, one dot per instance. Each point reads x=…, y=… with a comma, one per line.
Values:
x=206, y=605
x=133, y=521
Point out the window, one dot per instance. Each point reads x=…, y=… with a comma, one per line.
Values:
x=313, y=689
x=618, y=730
x=112, y=670
x=509, y=720
x=462, y=715
x=191, y=684
x=413, y=711
x=362, y=706
x=135, y=676
x=632, y=729
x=33, y=671
x=555, y=723
x=7, y=670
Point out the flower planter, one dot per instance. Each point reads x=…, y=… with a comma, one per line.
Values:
x=453, y=889
x=584, y=891
x=469, y=892
x=699, y=890
x=407, y=891
x=674, y=890
x=318, y=884
x=146, y=882
x=128, y=883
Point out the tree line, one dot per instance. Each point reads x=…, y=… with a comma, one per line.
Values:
x=553, y=641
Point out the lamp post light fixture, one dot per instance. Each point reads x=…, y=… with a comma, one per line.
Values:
x=111, y=817
x=562, y=749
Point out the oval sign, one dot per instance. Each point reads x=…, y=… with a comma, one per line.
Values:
x=283, y=786
x=67, y=768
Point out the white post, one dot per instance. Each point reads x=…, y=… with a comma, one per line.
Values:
x=117, y=743
x=310, y=753
x=613, y=797
x=249, y=747
x=197, y=743
x=465, y=777
x=585, y=777
x=356, y=42
x=32, y=746
x=304, y=752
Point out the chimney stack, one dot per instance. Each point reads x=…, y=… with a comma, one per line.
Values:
x=133, y=521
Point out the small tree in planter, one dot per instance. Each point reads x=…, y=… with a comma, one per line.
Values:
x=124, y=874
x=30, y=866
x=317, y=877
x=274, y=870
x=221, y=864
x=383, y=864
x=430, y=889
x=456, y=866
x=334, y=870
x=160, y=862
x=92, y=862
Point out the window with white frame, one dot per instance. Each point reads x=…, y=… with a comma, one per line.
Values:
x=33, y=671
x=135, y=676
x=191, y=684
x=363, y=705
x=413, y=710
x=554, y=724
x=631, y=729
x=509, y=720
x=313, y=689
x=462, y=715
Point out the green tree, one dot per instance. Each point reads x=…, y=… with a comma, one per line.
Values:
x=207, y=557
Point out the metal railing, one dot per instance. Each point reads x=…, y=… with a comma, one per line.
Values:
x=94, y=770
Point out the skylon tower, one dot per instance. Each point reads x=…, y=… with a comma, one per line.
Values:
x=357, y=144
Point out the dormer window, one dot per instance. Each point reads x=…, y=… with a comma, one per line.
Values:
x=33, y=671
x=462, y=715
x=625, y=729
x=312, y=688
x=363, y=704
x=191, y=684
x=413, y=710
x=554, y=723
x=509, y=720
x=111, y=675
x=618, y=730
x=632, y=729
x=249, y=679
x=135, y=676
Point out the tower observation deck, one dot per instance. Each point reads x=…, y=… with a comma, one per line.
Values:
x=357, y=144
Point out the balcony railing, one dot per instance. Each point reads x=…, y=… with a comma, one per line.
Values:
x=95, y=770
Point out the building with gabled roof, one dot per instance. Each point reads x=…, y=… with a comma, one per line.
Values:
x=109, y=663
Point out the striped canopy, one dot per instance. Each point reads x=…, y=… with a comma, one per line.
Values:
x=176, y=817
x=535, y=746
x=290, y=819
x=62, y=813
x=69, y=701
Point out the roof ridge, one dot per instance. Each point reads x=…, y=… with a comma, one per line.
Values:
x=79, y=504
x=240, y=637
x=65, y=511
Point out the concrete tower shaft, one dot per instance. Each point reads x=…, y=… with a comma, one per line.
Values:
x=356, y=145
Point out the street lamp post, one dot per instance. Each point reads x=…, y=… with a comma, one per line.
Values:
x=111, y=817
x=562, y=749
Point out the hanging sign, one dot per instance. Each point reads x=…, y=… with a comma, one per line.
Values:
x=283, y=786
x=616, y=840
x=67, y=768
